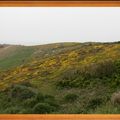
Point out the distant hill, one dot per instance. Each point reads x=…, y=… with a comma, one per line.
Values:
x=60, y=78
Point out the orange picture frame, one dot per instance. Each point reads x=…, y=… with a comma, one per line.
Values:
x=61, y=3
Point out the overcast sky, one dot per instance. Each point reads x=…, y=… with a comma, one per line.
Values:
x=42, y=25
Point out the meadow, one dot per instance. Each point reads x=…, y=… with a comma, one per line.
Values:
x=60, y=78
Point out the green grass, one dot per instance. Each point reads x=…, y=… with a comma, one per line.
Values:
x=19, y=57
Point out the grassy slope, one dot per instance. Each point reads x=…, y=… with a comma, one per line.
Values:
x=50, y=69
x=14, y=56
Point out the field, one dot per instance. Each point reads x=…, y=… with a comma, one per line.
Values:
x=60, y=78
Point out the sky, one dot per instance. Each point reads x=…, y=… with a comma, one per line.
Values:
x=43, y=25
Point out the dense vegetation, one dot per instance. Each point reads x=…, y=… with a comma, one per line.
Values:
x=60, y=78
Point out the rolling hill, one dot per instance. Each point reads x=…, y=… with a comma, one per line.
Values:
x=60, y=78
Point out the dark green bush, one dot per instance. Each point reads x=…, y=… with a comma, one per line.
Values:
x=51, y=101
x=43, y=108
x=71, y=97
x=12, y=110
x=78, y=82
x=49, y=97
x=39, y=97
x=117, y=65
x=21, y=92
x=29, y=103
x=94, y=103
x=63, y=84
x=87, y=75
x=102, y=69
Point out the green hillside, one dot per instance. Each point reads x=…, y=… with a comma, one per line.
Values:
x=15, y=56
x=60, y=78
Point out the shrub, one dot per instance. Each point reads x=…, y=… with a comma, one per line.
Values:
x=115, y=99
x=21, y=92
x=49, y=97
x=39, y=97
x=94, y=103
x=51, y=101
x=102, y=69
x=42, y=108
x=12, y=110
x=69, y=74
x=70, y=97
x=63, y=84
x=81, y=77
x=115, y=81
x=107, y=109
x=30, y=103
x=117, y=65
